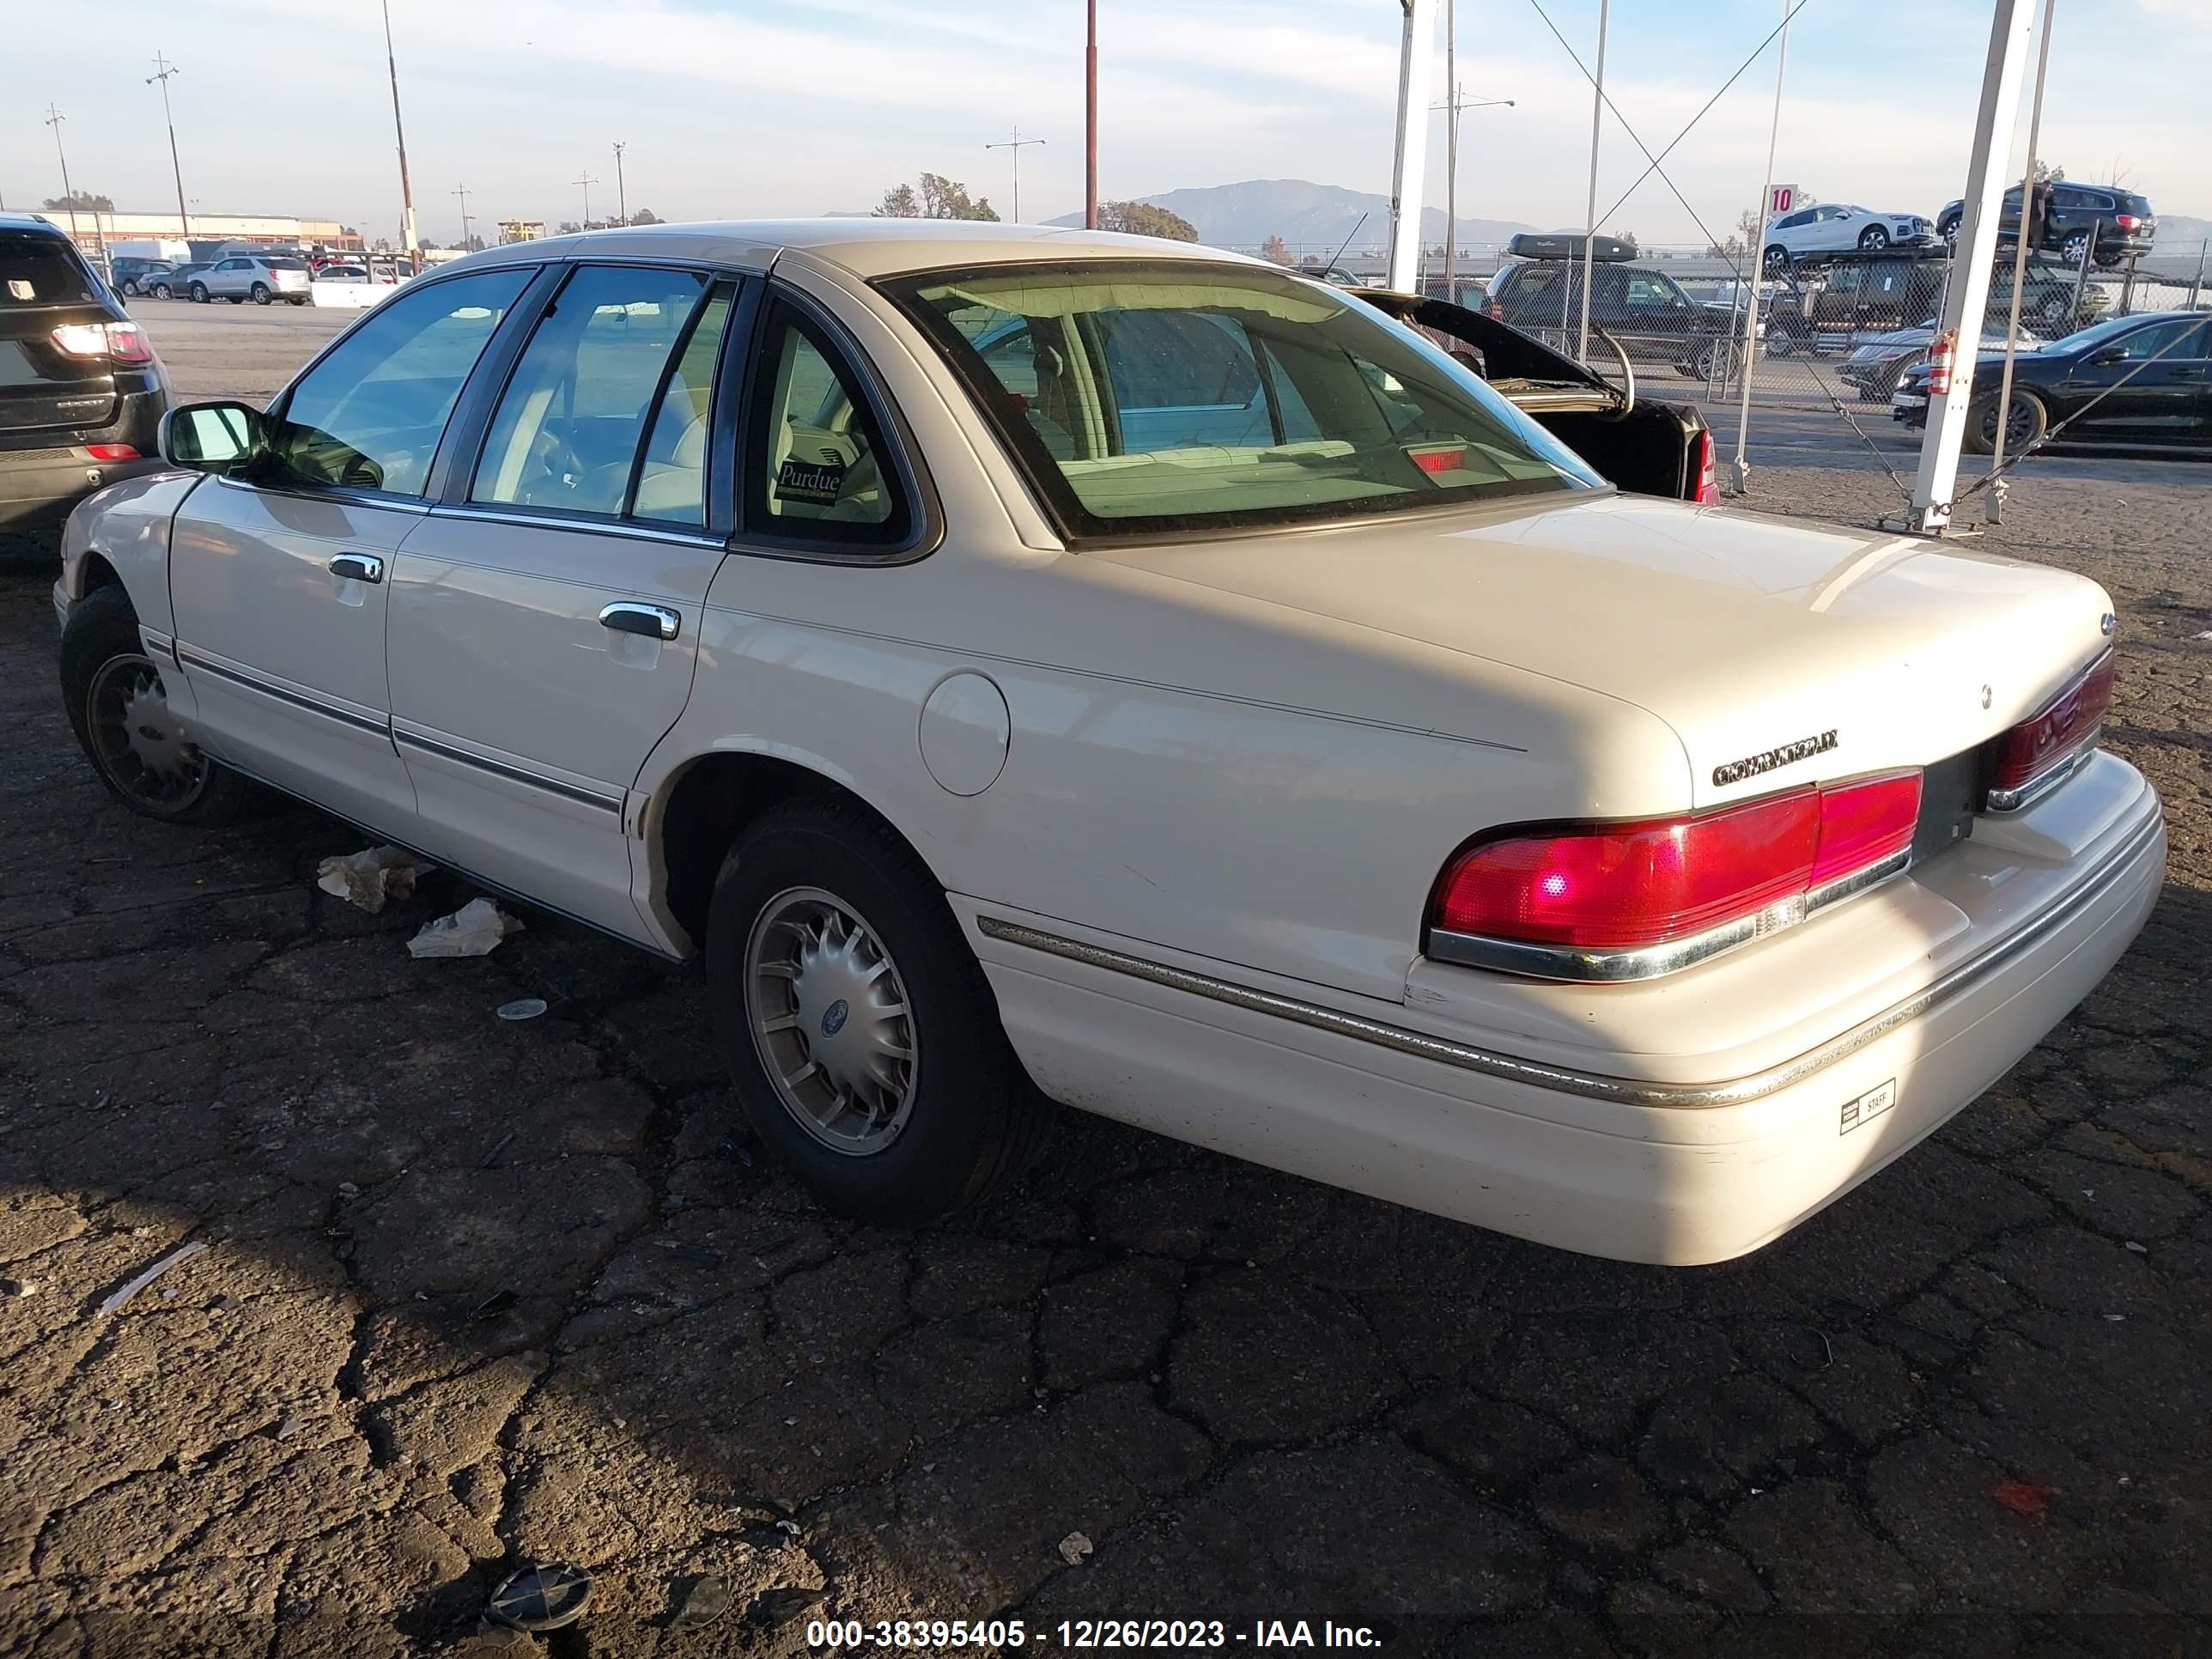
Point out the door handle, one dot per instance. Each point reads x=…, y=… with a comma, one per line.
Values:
x=654, y=621
x=358, y=566
x=2187, y=374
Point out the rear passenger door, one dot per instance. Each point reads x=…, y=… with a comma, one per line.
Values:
x=544, y=616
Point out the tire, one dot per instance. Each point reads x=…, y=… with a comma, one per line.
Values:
x=235, y=299
x=299, y=300
x=1781, y=342
x=113, y=692
x=2056, y=310
x=1776, y=258
x=128, y=288
x=261, y=295
x=161, y=291
x=956, y=1119
x=2030, y=420
x=1948, y=230
x=199, y=293
x=1713, y=362
x=1873, y=240
x=2074, y=247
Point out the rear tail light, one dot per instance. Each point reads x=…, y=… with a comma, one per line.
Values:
x=1440, y=461
x=1627, y=901
x=113, y=452
x=1708, y=488
x=122, y=342
x=1497, y=311
x=2035, y=755
x=2128, y=223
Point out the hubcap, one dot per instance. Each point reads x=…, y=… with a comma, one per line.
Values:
x=141, y=743
x=830, y=1021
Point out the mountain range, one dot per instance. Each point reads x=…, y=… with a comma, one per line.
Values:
x=1307, y=216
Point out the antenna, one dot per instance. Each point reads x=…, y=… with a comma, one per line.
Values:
x=1341, y=246
x=1016, y=144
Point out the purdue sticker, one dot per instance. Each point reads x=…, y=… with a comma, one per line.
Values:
x=816, y=484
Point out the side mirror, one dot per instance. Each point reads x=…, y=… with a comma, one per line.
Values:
x=214, y=437
x=2106, y=356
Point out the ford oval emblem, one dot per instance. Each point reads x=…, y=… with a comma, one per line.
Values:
x=833, y=1017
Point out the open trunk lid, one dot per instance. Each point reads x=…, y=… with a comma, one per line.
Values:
x=43, y=286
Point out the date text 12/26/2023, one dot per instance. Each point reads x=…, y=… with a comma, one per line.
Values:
x=1086, y=1634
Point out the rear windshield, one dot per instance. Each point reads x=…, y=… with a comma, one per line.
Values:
x=2138, y=205
x=1185, y=397
x=285, y=265
x=39, y=269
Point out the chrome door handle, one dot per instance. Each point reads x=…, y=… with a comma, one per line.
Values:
x=358, y=566
x=654, y=621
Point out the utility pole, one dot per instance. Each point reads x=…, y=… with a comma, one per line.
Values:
x=586, y=180
x=622, y=191
x=1415, y=47
x=406, y=190
x=163, y=70
x=2020, y=267
x=54, y=119
x=1589, y=219
x=1764, y=212
x=1091, y=119
x=1459, y=100
x=1967, y=298
x=462, y=190
x=1016, y=144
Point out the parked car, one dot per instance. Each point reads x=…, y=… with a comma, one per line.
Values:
x=132, y=275
x=2142, y=380
x=1646, y=310
x=335, y=272
x=176, y=282
x=1635, y=442
x=260, y=277
x=2120, y=221
x=1833, y=228
x=1863, y=292
x=1375, y=792
x=1874, y=369
x=82, y=392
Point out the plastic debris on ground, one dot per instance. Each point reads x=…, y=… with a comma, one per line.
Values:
x=2025, y=1497
x=701, y=1602
x=474, y=929
x=546, y=1596
x=370, y=878
x=522, y=1008
x=183, y=1252
x=1073, y=1548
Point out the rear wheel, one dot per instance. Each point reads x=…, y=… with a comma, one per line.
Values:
x=862, y=1038
x=1948, y=230
x=1874, y=238
x=262, y=296
x=298, y=298
x=2075, y=245
x=160, y=290
x=2056, y=310
x=2026, y=421
x=1712, y=361
x=120, y=709
x=1777, y=257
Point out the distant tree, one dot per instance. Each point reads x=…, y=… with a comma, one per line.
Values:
x=1277, y=249
x=1629, y=237
x=939, y=198
x=646, y=216
x=83, y=201
x=900, y=202
x=2047, y=174
x=1143, y=219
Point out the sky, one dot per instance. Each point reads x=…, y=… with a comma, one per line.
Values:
x=743, y=108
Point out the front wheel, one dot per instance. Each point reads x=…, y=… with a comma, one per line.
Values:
x=1874, y=238
x=262, y=296
x=862, y=1038
x=1714, y=360
x=1776, y=257
x=199, y=293
x=161, y=291
x=118, y=707
x=2027, y=421
x=2074, y=246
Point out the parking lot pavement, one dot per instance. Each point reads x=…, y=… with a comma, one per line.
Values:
x=478, y=1292
x=220, y=350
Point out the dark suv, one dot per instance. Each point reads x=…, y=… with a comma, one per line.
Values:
x=2120, y=222
x=1645, y=310
x=136, y=275
x=82, y=392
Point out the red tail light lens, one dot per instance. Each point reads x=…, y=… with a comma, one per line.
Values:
x=1440, y=461
x=2128, y=223
x=127, y=344
x=1708, y=488
x=1616, y=888
x=2055, y=733
x=122, y=342
x=113, y=452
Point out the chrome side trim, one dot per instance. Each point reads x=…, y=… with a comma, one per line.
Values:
x=1599, y=1086
x=1651, y=961
x=187, y=657
x=606, y=803
x=621, y=528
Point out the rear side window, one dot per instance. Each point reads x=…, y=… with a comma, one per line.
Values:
x=38, y=269
x=371, y=415
x=817, y=469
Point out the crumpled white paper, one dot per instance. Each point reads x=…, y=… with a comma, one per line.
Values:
x=474, y=929
x=370, y=877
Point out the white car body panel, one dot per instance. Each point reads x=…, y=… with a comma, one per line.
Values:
x=1194, y=851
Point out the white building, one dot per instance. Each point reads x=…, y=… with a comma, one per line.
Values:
x=95, y=229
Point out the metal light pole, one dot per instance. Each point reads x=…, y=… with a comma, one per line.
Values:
x=462, y=190
x=54, y=119
x=406, y=190
x=1590, y=218
x=1091, y=119
x=1459, y=100
x=587, y=181
x=1968, y=298
x=1743, y=466
x=2019, y=267
x=1416, y=48
x=163, y=70
x=1015, y=144
x=621, y=190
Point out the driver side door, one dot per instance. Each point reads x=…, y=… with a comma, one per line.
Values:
x=277, y=575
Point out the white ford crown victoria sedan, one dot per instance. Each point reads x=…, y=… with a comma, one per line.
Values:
x=1038, y=664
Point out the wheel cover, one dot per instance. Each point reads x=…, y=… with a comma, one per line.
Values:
x=830, y=1021
x=140, y=743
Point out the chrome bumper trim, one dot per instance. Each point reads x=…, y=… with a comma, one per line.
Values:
x=1598, y=1087
x=2006, y=802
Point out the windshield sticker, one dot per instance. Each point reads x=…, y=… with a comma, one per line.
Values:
x=814, y=483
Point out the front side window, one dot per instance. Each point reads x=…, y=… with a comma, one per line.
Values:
x=1182, y=396
x=817, y=469
x=370, y=415
x=1647, y=290
x=567, y=432
x=2165, y=341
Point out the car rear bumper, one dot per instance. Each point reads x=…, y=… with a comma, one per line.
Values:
x=1600, y=1163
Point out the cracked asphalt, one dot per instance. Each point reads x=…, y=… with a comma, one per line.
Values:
x=480, y=1292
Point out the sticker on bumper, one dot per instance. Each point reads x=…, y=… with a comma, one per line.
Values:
x=1872, y=1104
